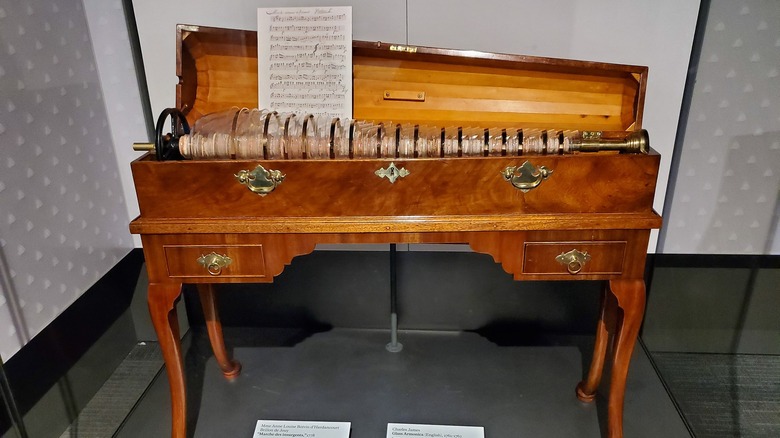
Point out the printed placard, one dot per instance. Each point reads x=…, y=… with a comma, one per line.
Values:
x=401, y=430
x=301, y=429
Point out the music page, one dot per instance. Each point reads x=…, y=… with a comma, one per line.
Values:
x=305, y=60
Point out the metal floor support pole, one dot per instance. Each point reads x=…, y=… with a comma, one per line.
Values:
x=394, y=346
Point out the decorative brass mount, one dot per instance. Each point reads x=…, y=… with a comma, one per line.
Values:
x=392, y=173
x=260, y=180
x=214, y=262
x=526, y=176
x=415, y=96
x=400, y=48
x=592, y=141
x=143, y=147
x=573, y=260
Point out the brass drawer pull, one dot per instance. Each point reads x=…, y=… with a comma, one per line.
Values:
x=526, y=176
x=260, y=180
x=214, y=262
x=573, y=260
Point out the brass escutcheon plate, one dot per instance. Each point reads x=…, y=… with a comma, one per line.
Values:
x=392, y=173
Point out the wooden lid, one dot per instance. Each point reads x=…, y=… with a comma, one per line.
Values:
x=217, y=69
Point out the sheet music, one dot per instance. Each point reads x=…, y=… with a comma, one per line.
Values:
x=305, y=60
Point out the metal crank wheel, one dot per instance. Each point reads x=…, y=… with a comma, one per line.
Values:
x=166, y=146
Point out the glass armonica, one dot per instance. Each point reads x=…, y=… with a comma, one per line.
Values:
x=263, y=134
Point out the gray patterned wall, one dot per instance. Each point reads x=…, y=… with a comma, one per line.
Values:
x=726, y=196
x=63, y=220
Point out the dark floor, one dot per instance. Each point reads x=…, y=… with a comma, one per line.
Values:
x=107, y=410
x=457, y=378
x=725, y=395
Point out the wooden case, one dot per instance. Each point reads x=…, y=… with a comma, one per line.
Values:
x=217, y=69
x=590, y=219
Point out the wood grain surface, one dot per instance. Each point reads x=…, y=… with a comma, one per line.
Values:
x=596, y=203
x=585, y=183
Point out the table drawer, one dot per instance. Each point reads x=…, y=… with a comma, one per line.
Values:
x=209, y=261
x=575, y=258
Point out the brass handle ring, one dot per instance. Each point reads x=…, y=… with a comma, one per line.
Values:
x=214, y=263
x=260, y=180
x=573, y=260
x=526, y=176
x=214, y=269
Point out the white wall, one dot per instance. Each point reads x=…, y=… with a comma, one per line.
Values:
x=117, y=71
x=63, y=221
x=657, y=34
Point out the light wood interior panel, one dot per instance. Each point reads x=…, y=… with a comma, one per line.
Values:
x=488, y=96
x=483, y=91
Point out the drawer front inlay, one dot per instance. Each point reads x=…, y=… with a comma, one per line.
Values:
x=190, y=261
x=602, y=257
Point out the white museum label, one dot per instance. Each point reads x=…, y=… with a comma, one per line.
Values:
x=301, y=429
x=400, y=430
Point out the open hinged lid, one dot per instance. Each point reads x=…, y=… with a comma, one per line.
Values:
x=217, y=69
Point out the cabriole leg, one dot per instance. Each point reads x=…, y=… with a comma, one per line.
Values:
x=230, y=368
x=586, y=389
x=630, y=295
x=162, y=298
